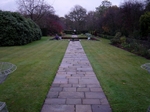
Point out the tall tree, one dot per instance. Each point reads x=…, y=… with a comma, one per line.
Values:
x=130, y=13
x=100, y=13
x=103, y=7
x=50, y=24
x=106, y=3
x=41, y=13
x=34, y=9
x=147, y=7
x=111, y=20
x=145, y=25
x=91, y=21
x=78, y=17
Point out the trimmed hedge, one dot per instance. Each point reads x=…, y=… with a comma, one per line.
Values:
x=17, y=30
x=106, y=36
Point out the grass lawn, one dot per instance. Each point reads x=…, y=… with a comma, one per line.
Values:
x=37, y=63
x=126, y=84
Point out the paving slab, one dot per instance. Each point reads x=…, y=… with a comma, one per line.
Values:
x=71, y=89
x=83, y=89
x=55, y=101
x=99, y=95
x=75, y=87
x=57, y=108
x=73, y=101
x=52, y=94
x=83, y=108
x=56, y=89
x=71, y=95
x=101, y=108
x=91, y=101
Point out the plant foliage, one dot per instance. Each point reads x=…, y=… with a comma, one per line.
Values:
x=145, y=24
x=17, y=30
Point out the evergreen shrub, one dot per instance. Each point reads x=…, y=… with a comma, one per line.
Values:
x=17, y=30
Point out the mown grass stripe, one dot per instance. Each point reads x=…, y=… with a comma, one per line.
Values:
x=124, y=82
x=25, y=89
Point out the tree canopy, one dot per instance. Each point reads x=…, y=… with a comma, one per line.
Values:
x=76, y=19
x=34, y=9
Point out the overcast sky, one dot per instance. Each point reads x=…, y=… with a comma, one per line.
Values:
x=61, y=7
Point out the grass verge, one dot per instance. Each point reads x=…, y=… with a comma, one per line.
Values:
x=124, y=82
x=25, y=89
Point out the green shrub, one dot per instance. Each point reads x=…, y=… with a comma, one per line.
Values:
x=134, y=48
x=118, y=35
x=142, y=50
x=116, y=39
x=145, y=24
x=106, y=36
x=17, y=30
x=123, y=40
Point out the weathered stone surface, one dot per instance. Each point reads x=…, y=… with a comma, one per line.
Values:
x=101, y=108
x=71, y=95
x=96, y=89
x=56, y=89
x=104, y=101
x=74, y=77
x=73, y=101
x=82, y=73
x=61, y=73
x=85, y=69
x=60, y=76
x=78, y=75
x=52, y=94
x=55, y=85
x=65, y=85
x=79, y=85
x=73, y=81
x=83, y=108
x=55, y=101
x=83, y=89
x=58, y=108
x=88, y=81
x=94, y=95
x=91, y=101
x=71, y=73
x=75, y=87
x=93, y=85
x=90, y=73
x=60, y=81
x=69, y=89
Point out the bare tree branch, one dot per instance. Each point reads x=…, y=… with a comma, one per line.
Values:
x=34, y=9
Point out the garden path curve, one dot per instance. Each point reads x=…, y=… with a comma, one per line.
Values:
x=75, y=87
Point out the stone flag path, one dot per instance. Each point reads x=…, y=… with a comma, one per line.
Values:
x=75, y=87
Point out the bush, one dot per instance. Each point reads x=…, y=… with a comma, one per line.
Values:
x=123, y=40
x=106, y=36
x=17, y=30
x=118, y=35
x=116, y=39
x=142, y=50
x=145, y=24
